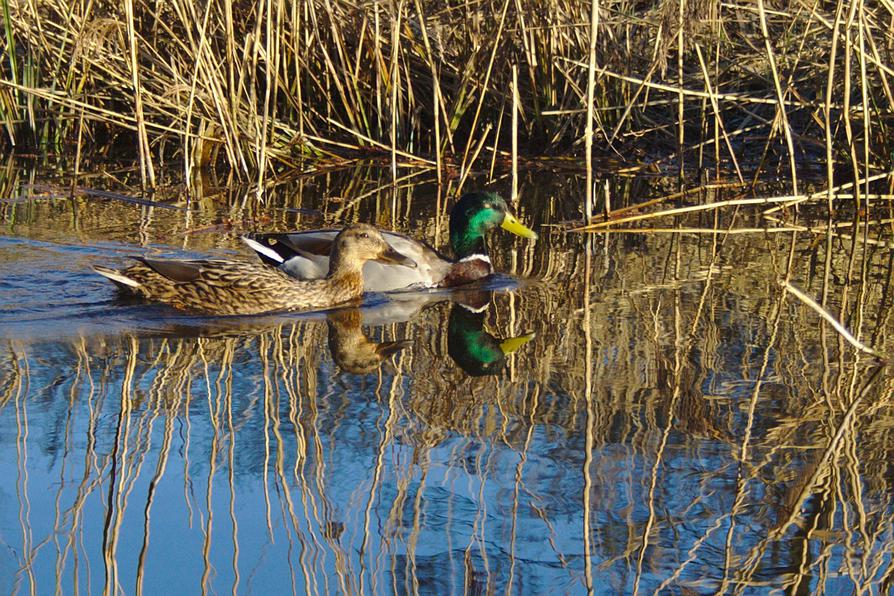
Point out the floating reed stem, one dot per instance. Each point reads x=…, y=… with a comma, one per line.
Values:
x=842, y=331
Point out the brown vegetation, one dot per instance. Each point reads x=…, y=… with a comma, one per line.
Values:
x=261, y=87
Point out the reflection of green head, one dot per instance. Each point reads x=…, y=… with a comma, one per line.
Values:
x=474, y=215
x=472, y=348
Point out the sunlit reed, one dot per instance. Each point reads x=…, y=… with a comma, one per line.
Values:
x=262, y=89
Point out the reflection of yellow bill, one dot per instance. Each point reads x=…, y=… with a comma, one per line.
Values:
x=511, y=224
x=507, y=346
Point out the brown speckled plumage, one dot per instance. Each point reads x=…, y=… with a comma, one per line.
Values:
x=245, y=288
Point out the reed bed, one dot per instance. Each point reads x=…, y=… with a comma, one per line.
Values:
x=791, y=89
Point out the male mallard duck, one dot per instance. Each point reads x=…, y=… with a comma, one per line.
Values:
x=305, y=254
x=245, y=288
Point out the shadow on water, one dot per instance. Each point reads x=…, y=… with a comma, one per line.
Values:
x=614, y=412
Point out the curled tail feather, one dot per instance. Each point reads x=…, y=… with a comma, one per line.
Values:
x=122, y=281
x=266, y=253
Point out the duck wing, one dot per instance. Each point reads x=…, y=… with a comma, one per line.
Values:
x=174, y=270
x=305, y=255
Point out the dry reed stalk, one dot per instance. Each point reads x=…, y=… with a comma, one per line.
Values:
x=436, y=88
x=716, y=31
x=394, y=80
x=631, y=103
x=864, y=95
x=681, y=98
x=493, y=153
x=271, y=84
x=847, y=93
x=694, y=93
x=713, y=231
x=616, y=213
x=147, y=172
x=374, y=143
x=780, y=97
x=831, y=193
x=718, y=119
x=591, y=88
x=482, y=92
x=830, y=232
x=77, y=166
x=468, y=168
x=515, y=108
x=679, y=211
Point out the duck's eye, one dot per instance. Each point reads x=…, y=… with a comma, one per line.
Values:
x=364, y=235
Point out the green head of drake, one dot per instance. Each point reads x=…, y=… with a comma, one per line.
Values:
x=474, y=215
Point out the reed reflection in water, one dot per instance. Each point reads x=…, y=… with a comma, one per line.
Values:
x=172, y=455
x=677, y=422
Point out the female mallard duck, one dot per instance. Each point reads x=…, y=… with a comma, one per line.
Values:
x=305, y=254
x=244, y=288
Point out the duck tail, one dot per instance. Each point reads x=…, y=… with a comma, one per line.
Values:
x=122, y=281
x=267, y=254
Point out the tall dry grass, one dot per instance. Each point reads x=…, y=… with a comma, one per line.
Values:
x=262, y=87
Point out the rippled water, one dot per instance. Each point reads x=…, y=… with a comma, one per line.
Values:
x=676, y=422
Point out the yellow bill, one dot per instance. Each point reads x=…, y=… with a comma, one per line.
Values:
x=507, y=346
x=511, y=224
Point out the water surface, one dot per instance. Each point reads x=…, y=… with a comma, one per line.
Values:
x=676, y=423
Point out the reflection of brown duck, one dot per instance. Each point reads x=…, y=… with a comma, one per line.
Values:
x=472, y=348
x=351, y=350
x=242, y=288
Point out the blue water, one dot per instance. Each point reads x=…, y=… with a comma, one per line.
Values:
x=147, y=449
